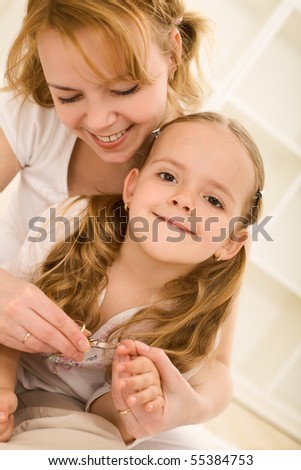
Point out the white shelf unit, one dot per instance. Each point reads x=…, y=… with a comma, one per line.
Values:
x=11, y=15
x=257, y=80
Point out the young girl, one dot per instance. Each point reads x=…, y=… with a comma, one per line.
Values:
x=164, y=276
x=89, y=81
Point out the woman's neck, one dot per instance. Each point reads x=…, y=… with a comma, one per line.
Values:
x=89, y=175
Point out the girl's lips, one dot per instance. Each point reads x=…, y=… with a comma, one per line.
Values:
x=174, y=222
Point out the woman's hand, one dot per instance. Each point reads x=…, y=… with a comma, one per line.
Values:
x=145, y=382
x=8, y=405
x=31, y=322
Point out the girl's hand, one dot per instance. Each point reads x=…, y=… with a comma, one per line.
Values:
x=146, y=383
x=26, y=309
x=8, y=405
x=138, y=378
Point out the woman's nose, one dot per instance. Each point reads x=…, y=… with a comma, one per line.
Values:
x=100, y=115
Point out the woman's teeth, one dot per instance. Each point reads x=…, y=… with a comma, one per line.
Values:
x=111, y=138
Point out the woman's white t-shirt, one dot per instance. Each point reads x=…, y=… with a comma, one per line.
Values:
x=43, y=146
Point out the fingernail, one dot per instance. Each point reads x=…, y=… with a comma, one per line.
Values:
x=3, y=416
x=121, y=346
x=133, y=400
x=122, y=384
x=83, y=345
x=142, y=346
x=78, y=357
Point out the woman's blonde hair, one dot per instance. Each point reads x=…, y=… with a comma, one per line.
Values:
x=185, y=322
x=153, y=19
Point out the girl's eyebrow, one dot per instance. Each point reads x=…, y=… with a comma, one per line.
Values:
x=170, y=161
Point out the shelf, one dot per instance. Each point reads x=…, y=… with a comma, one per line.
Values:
x=272, y=85
x=11, y=16
x=283, y=255
x=268, y=328
x=280, y=163
x=248, y=16
x=288, y=389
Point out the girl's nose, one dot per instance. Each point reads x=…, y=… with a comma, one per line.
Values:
x=182, y=201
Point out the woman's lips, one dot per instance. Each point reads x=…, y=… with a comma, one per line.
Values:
x=112, y=137
x=112, y=140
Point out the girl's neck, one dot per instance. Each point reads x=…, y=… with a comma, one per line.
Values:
x=145, y=272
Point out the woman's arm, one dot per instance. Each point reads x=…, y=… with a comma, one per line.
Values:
x=9, y=165
x=104, y=407
x=8, y=400
x=26, y=309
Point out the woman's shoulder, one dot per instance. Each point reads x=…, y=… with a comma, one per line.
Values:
x=23, y=111
x=54, y=225
x=34, y=133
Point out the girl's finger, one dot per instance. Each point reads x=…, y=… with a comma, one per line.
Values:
x=140, y=382
x=145, y=396
x=155, y=406
x=139, y=365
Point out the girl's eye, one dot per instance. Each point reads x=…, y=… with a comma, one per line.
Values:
x=129, y=91
x=167, y=177
x=72, y=99
x=214, y=202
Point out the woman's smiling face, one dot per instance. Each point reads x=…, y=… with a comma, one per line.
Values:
x=114, y=118
x=194, y=186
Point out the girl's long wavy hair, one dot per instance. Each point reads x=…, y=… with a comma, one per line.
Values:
x=185, y=322
x=111, y=20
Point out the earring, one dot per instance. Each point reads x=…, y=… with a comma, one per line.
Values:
x=127, y=206
x=171, y=74
x=171, y=77
x=218, y=258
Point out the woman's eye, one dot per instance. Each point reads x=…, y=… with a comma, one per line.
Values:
x=129, y=91
x=167, y=177
x=214, y=202
x=72, y=99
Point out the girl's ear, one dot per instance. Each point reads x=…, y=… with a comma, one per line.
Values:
x=129, y=185
x=233, y=244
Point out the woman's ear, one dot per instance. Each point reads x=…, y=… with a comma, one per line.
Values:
x=234, y=244
x=176, y=40
x=129, y=185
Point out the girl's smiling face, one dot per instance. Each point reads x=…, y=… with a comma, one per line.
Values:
x=186, y=200
x=114, y=118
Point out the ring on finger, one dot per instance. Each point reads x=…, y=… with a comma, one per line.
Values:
x=124, y=412
x=26, y=337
